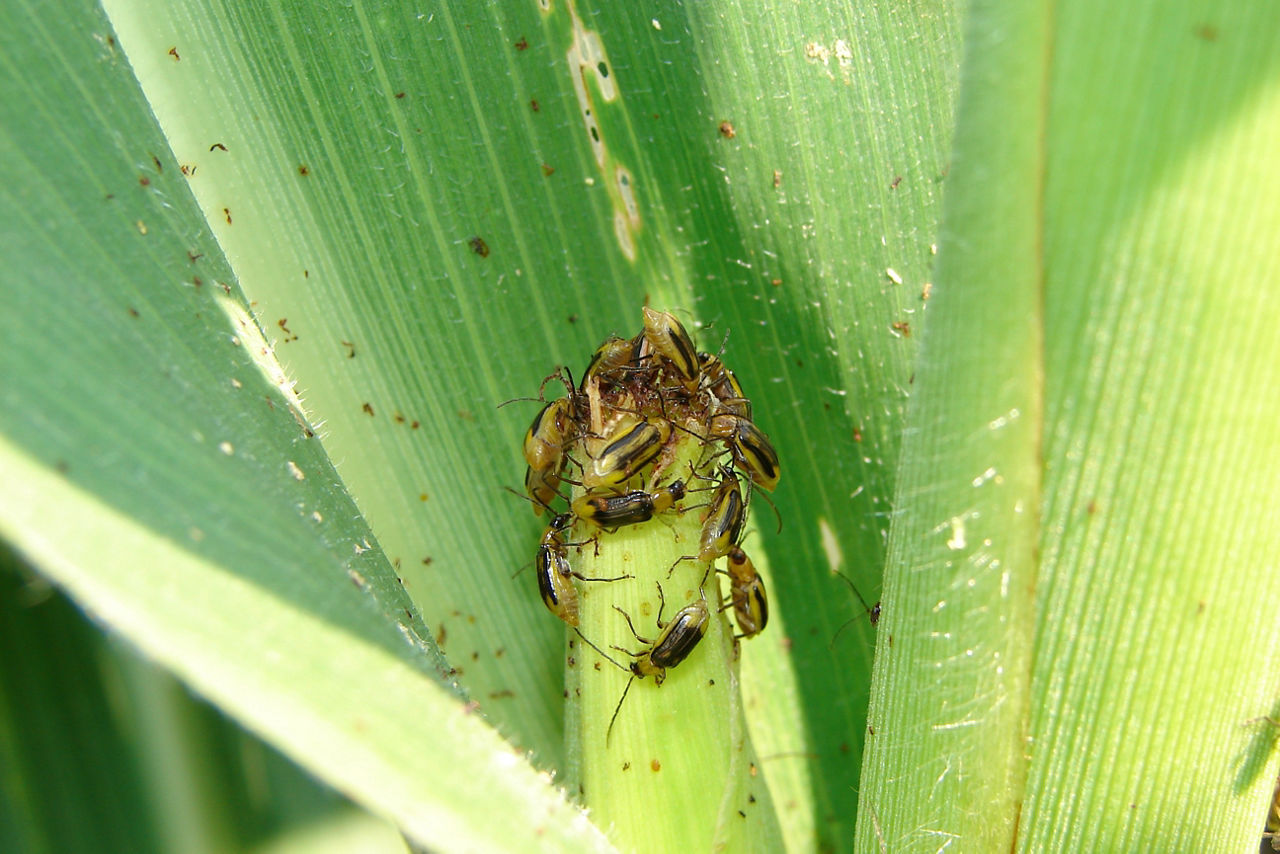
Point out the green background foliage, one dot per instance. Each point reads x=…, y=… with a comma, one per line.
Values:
x=313, y=535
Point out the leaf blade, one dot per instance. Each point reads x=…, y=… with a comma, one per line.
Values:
x=171, y=483
x=951, y=685
x=358, y=742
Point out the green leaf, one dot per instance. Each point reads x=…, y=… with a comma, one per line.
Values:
x=70, y=782
x=103, y=751
x=831, y=193
x=429, y=211
x=158, y=470
x=1094, y=429
x=410, y=153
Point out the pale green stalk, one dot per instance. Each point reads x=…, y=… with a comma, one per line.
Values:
x=678, y=772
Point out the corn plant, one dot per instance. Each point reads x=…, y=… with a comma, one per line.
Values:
x=997, y=277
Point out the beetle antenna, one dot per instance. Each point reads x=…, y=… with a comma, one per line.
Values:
x=542, y=504
x=872, y=611
x=768, y=501
x=607, y=657
x=724, y=342
x=609, y=733
x=514, y=399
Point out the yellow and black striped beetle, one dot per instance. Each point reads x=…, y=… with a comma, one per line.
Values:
x=676, y=640
x=628, y=451
x=606, y=510
x=544, y=444
x=723, y=526
x=674, y=643
x=724, y=386
x=555, y=576
x=750, y=604
x=614, y=355
x=668, y=338
x=751, y=449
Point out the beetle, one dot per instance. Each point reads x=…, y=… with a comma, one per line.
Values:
x=724, y=386
x=627, y=451
x=553, y=571
x=615, y=354
x=723, y=526
x=668, y=338
x=544, y=451
x=555, y=574
x=544, y=440
x=606, y=510
x=542, y=488
x=676, y=640
x=872, y=611
x=750, y=604
x=751, y=448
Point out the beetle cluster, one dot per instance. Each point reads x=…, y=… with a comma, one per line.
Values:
x=614, y=436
